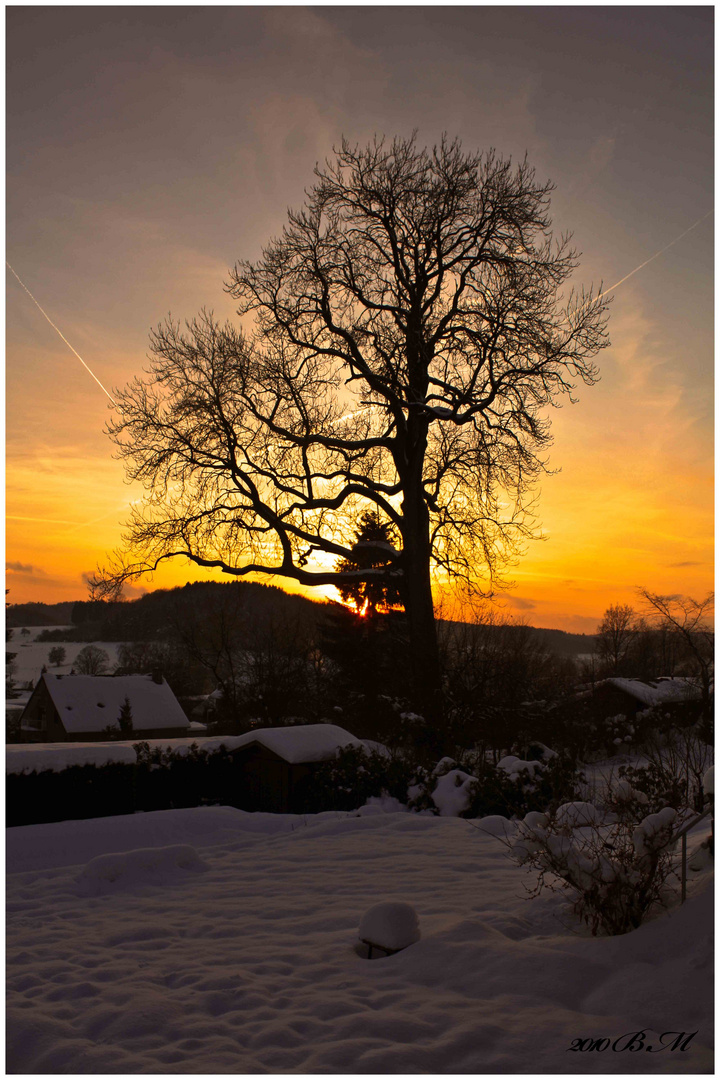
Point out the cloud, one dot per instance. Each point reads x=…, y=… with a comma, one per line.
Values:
x=519, y=603
x=26, y=569
x=680, y=565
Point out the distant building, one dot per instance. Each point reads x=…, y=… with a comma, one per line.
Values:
x=630, y=696
x=80, y=708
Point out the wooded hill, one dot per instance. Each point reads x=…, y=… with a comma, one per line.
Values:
x=159, y=613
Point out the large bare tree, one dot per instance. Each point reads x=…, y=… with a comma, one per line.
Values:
x=409, y=333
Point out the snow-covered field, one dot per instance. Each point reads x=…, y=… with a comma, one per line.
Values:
x=230, y=948
x=32, y=654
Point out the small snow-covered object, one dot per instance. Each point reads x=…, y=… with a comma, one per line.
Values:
x=453, y=793
x=381, y=804
x=496, y=825
x=536, y=820
x=390, y=926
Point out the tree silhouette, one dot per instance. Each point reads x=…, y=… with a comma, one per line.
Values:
x=56, y=656
x=410, y=333
x=91, y=660
x=616, y=634
x=374, y=549
x=125, y=718
x=690, y=622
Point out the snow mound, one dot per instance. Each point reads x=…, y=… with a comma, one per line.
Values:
x=453, y=792
x=143, y=866
x=382, y=804
x=495, y=825
x=391, y=925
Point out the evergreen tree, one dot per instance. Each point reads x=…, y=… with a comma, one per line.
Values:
x=125, y=719
x=374, y=547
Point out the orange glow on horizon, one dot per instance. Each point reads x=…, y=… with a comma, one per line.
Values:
x=632, y=504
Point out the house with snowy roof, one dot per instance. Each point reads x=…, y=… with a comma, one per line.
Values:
x=275, y=764
x=630, y=696
x=81, y=708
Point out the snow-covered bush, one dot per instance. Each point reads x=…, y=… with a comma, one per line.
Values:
x=445, y=789
x=673, y=775
x=615, y=868
x=512, y=788
x=518, y=786
x=355, y=775
x=618, y=733
x=454, y=792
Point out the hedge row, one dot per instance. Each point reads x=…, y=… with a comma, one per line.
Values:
x=88, y=791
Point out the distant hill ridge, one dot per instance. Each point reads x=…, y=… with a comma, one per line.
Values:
x=149, y=615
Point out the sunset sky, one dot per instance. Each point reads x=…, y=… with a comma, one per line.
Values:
x=148, y=149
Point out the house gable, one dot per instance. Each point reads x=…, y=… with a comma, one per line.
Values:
x=72, y=707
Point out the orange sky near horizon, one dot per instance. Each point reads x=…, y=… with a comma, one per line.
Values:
x=613, y=517
x=112, y=225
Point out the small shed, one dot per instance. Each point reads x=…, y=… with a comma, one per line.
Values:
x=80, y=708
x=630, y=696
x=275, y=763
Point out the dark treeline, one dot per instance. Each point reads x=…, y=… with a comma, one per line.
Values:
x=39, y=614
x=151, y=614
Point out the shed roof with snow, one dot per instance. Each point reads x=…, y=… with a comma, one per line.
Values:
x=303, y=744
x=87, y=703
x=657, y=691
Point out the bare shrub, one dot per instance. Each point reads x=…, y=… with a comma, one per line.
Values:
x=615, y=868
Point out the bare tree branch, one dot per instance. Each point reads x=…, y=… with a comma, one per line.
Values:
x=410, y=336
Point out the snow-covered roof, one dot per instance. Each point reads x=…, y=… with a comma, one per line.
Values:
x=93, y=702
x=659, y=691
x=301, y=744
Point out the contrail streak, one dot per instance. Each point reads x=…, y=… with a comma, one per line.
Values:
x=655, y=256
x=42, y=310
x=352, y=414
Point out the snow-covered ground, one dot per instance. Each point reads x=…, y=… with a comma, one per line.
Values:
x=32, y=654
x=230, y=948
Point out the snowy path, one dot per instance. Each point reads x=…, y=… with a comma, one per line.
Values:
x=248, y=965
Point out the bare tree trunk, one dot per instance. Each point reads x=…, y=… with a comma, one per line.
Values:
x=424, y=650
